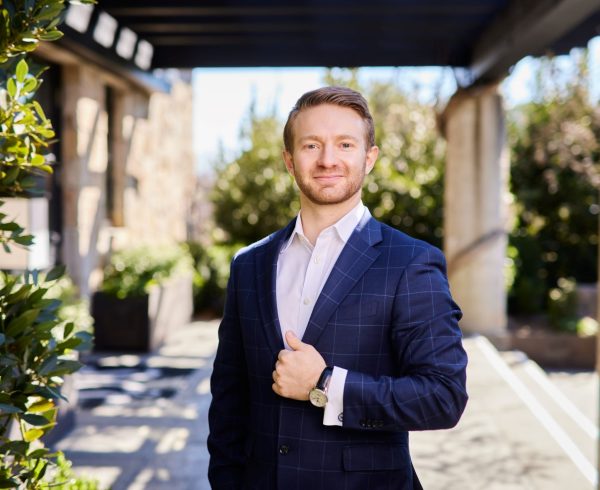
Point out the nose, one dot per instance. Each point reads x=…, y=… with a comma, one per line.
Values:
x=328, y=156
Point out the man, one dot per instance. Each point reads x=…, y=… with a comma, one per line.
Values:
x=339, y=333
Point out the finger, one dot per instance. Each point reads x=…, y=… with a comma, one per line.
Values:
x=282, y=354
x=293, y=341
x=275, y=389
x=274, y=376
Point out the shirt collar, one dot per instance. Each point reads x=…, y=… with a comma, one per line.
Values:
x=344, y=226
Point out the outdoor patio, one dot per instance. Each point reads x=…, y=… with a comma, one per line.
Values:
x=145, y=424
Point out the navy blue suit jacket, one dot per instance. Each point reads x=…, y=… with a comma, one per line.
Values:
x=386, y=315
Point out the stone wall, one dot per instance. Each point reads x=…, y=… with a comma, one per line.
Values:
x=159, y=165
x=153, y=176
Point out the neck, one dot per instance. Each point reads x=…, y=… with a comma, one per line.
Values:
x=317, y=217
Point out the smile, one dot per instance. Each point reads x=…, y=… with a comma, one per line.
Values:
x=326, y=178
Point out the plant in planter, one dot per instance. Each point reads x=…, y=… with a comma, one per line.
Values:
x=145, y=294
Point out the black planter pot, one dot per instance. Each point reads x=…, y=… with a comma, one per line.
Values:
x=121, y=324
x=141, y=324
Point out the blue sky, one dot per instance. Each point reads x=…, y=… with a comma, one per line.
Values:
x=222, y=96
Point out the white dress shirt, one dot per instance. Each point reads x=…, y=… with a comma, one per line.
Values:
x=302, y=271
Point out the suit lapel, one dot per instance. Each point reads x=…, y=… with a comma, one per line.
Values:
x=355, y=259
x=266, y=275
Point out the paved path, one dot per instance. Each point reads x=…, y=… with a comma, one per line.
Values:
x=143, y=440
x=151, y=443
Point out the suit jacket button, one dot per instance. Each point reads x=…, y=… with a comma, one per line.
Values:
x=283, y=449
x=362, y=423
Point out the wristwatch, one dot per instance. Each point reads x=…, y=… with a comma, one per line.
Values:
x=318, y=395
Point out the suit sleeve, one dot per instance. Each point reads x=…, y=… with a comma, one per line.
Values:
x=228, y=412
x=429, y=391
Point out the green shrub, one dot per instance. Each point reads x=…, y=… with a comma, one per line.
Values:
x=63, y=478
x=562, y=305
x=73, y=308
x=555, y=162
x=587, y=327
x=134, y=271
x=35, y=343
x=211, y=275
x=35, y=354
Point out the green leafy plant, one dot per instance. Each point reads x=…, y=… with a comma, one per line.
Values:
x=24, y=139
x=36, y=349
x=562, y=305
x=211, y=273
x=64, y=478
x=555, y=179
x=132, y=272
x=73, y=308
x=27, y=22
x=36, y=345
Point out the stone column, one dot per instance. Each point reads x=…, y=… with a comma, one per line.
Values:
x=475, y=202
x=84, y=152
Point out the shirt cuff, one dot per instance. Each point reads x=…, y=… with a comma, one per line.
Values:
x=334, y=409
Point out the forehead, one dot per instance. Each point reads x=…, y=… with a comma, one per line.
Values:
x=327, y=120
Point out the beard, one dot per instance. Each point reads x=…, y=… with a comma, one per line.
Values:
x=329, y=194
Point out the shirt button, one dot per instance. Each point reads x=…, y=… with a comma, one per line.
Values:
x=317, y=260
x=306, y=301
x=283, y=449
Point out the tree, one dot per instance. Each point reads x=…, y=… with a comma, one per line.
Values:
x=35, y=344
x=406, y=187
x=254, y=195
x=555, y=178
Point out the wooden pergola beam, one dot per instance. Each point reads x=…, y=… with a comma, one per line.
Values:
x=527, y=27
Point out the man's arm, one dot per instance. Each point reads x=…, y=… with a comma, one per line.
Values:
x=430, y=392
x=228, y=412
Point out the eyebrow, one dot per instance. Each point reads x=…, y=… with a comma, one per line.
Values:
x=338, y=137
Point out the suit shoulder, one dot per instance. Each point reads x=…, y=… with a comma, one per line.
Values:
x=250, y=252
x=395, y=237
x=405, y=248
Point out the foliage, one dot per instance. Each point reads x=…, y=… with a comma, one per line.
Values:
x=211, y=265
x=25, y=22
x=63, y=478
x=255, y=196
x=555, y=180
x=406, y=187
x=562, y=305
x=24, y=134
x=587, y=326
x=132, y=272
x=35, y=353
x=36, y=346
x=72, y=307
x=562, y=310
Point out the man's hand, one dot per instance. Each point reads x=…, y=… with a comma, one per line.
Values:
x=297, y=371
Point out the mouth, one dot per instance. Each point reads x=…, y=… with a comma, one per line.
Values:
x=328, y=178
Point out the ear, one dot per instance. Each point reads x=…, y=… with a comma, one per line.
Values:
x=372, y=154
x=289, y=161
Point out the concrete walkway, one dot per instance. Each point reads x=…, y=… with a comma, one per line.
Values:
x=145, y=425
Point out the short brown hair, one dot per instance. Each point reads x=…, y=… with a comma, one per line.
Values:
x=340, y=96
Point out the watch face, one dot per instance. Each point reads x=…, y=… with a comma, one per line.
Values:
x=317, y=397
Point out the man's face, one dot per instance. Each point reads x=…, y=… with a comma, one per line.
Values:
x=330, y=159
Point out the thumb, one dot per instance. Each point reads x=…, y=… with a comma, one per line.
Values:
x=293, y=341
